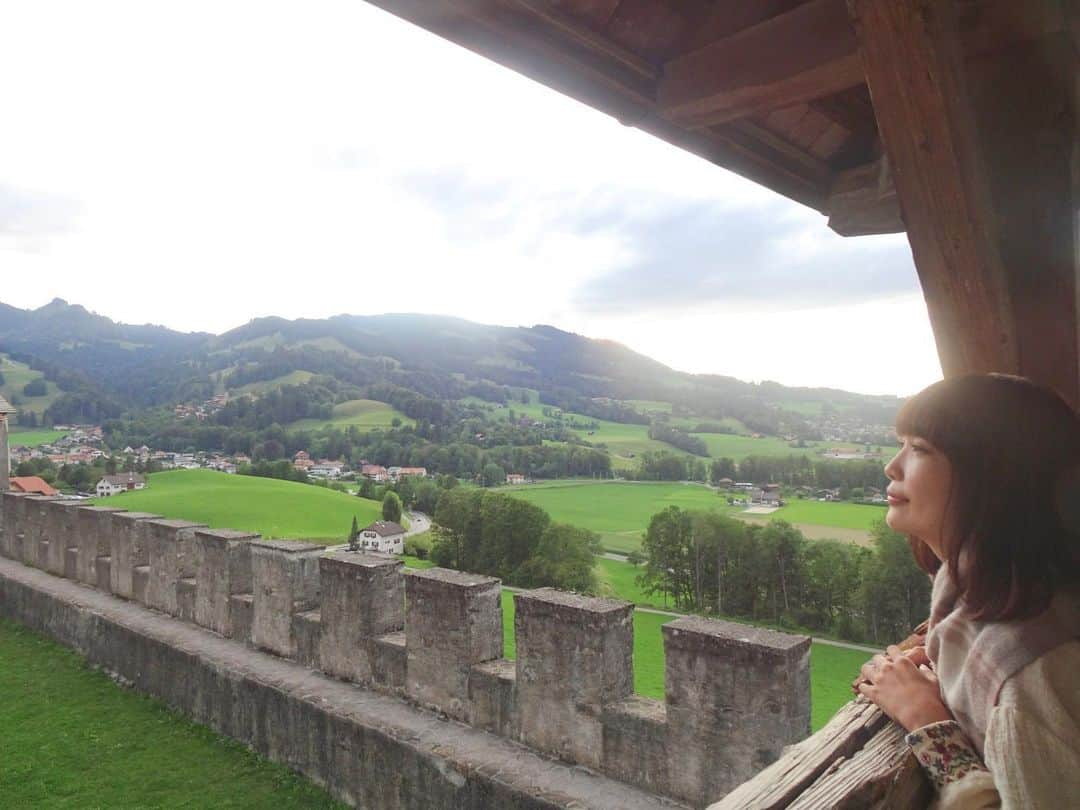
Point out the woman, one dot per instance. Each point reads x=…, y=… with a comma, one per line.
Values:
x=987, y=487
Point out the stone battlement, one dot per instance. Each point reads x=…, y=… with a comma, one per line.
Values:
x=433, y=641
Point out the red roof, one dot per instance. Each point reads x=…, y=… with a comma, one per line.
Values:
x=32, y=484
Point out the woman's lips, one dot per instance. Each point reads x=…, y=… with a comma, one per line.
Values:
x=895, y=500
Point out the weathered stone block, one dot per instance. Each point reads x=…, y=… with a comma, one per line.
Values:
x=140, y=581
x=390, y=661
x=452, y=621
x=363, y=597
x=60, y=532
x=241, y=615
x=635, y=743
x=103, y=566
x=35, y=529
x=285, y=581
x=574, y=657
x=127, y=547
x=170, y=547
x=736, y=695
x=307, y=630
x=185, y=599
x=93, y=529
x=222, y=569
x=10, y=526
x=493, y=697
x=71, y=562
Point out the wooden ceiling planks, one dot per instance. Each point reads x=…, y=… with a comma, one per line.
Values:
x=619, y=56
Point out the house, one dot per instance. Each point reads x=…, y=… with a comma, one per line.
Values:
x=32, y=485
x=416, y=472
x=376, y=472
x=725, y=483
x=384, y=536
x=515, y=478
x=115, y=484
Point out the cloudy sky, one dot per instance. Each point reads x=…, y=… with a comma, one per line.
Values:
x=199, y=164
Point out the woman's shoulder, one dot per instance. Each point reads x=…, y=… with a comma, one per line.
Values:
x=1047, y=689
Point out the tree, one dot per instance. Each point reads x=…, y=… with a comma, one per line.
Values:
x=354, y=534
x=367, y=488
x=391, y=507
x=493, y=475
x=36, y=388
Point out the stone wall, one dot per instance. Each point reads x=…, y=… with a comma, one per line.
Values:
x=430, y=642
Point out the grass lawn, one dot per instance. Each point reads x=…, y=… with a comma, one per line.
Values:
x=73, y=738
x=366, y=414
x=32, y=437
x=274, y=509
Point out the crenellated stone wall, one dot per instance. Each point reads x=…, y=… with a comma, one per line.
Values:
x=432, y=640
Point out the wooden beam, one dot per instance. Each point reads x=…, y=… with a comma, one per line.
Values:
x=798, y=56
x=981, y=139
x=863, y=201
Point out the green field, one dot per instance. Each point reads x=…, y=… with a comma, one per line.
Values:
x=32, y=437
x=17, y=375
x=830, y=513
x=366, y=414
x=73, y=738
x=274, y=509
x=618, y=510
x=263, y=386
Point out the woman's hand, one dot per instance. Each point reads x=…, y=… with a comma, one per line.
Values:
x=904, y=691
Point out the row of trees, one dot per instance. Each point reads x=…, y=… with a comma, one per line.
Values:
x=712, y=563
x=489, y=533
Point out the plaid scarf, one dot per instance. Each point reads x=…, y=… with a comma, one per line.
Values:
x=973, y=659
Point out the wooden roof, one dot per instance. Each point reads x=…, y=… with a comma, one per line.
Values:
x=770, y=89
x=5, y=406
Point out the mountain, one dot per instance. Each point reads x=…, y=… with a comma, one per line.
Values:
x=436, y=356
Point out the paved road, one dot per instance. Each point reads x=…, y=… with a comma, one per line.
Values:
x=418, y=522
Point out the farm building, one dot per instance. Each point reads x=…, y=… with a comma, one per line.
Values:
x=115, y=484
x=384, y=536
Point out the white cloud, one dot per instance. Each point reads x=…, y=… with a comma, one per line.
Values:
x=230, y=160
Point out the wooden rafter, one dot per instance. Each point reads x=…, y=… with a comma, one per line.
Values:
x=801, y=55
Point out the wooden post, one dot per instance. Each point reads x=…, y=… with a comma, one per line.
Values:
x=977, y=107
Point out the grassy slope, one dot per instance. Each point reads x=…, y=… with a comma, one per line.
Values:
x=363, y=413
x=263, y=386
x=73, y=738
x=32, y=437
x=17, y=375
x=278, y=509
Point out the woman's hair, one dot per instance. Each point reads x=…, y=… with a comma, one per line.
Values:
x=1013, y=507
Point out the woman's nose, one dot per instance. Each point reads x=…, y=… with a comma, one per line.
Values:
x=892, y=469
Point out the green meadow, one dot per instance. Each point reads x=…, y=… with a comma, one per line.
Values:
x=837, y=514
x=73, y=738
x=32, y=437
x=263, y=386
x=274, y=509
x=16, y=376
x=619, y=511
x=366, y=414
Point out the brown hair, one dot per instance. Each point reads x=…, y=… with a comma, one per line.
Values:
x=1014, y=448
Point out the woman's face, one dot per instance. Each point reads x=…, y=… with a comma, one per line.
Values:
x=920, y=480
